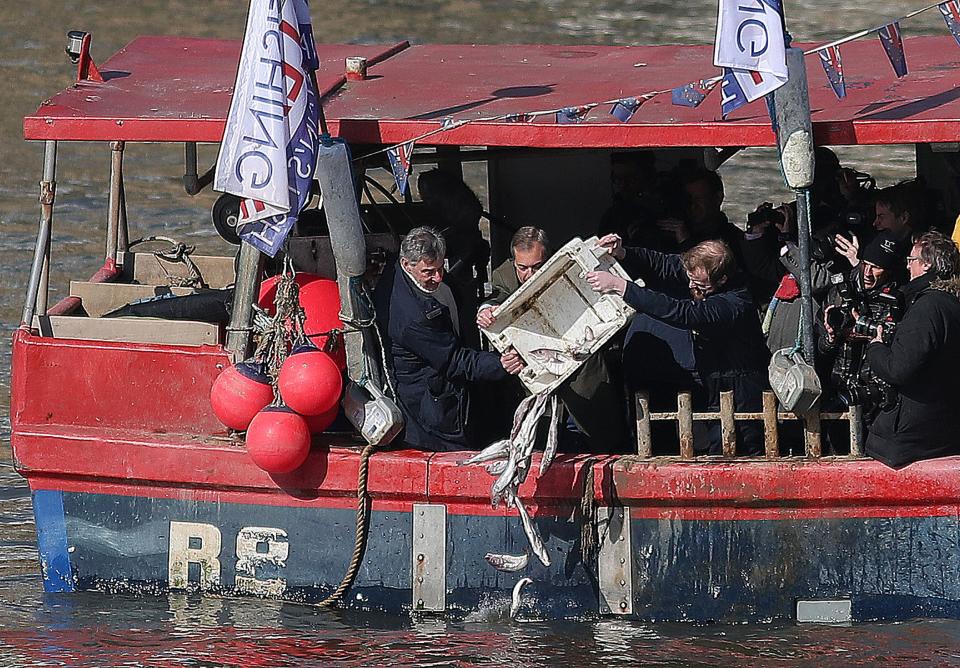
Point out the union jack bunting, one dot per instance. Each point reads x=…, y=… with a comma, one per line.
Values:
x=573, y=114
x=521, y=117
x=951, y=15
x=832, y=65
x=400, y=164
x=447, y=122
x=692, y=94
x=892, y=42
x=623, y=110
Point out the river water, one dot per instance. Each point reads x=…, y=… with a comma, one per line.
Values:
x=103, y=630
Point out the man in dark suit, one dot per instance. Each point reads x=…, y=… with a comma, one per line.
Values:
x=418, y=317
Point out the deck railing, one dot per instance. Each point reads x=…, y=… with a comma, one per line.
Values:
x=771, y=416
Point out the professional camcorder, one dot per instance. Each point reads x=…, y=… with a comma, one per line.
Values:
x=857, y=384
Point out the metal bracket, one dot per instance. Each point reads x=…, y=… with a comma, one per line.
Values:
x=429, y=557
x=615, y=562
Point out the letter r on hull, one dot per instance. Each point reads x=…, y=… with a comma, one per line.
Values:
x=193, y=543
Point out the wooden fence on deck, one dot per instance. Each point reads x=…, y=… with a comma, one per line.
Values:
x=771, y=416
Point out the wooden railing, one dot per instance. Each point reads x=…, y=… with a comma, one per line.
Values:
x=771, y=416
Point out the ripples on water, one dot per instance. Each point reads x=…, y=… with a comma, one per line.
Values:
x=102, y=630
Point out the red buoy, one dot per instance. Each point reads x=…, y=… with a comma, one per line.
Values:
x=320, y=299
x=240, y=392
x=320, y=423
x=310, y=381
x=278, y=439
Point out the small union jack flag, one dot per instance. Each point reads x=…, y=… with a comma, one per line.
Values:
x=623, y=110
x=951, y=15
x=572, y=114
x=400, y=164
x=692, y=94
x=522, y=117
x=892, y=42
x=832, y=65
x=447, y=122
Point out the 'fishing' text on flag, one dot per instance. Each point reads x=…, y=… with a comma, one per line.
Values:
x=268, y=152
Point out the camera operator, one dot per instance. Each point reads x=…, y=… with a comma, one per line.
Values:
x=865, y=295
x=921, y=361
x=771, y=256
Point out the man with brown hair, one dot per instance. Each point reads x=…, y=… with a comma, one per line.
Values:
x=700, y=308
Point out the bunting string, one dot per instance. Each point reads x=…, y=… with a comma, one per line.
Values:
x=692, y=94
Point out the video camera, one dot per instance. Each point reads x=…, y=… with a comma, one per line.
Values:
x=857, y=384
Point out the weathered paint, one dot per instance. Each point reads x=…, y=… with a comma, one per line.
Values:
x=682, y=570
x=178, y=89
x=55, y=566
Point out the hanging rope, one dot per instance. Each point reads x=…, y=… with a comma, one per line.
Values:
x=363, y=525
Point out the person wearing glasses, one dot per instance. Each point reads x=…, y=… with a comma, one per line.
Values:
x=921, y=360
x=698, y=305
x=592, y=395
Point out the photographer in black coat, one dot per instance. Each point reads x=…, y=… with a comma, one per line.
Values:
x=922, y=361
x=868, y=293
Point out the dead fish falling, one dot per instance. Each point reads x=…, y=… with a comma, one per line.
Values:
x=507, y=563
x=515, y=599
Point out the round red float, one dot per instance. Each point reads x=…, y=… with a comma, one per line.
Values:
x=320, y=299
x=240, y=392
x=310, y=381
x=278, y=440
x=320, y=423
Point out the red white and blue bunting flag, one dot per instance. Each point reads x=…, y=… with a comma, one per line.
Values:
x=624, y=108
x=573, y=114
x=951, y=16
x=692, y=94
x=521, y=117
x=400, y=164
x=833, y=66
x=892, y=42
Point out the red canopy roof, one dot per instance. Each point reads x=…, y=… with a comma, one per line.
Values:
x=178, y=89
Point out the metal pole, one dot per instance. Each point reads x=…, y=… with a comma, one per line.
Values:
x=123, y=233
x=246, y=287
x=39, y=270
x=795, y=140
x=806, y=289
x=113, y=215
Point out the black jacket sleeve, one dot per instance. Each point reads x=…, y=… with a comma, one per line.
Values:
x=653, y=267
x=918, y=337
x=442, y=351
x=686, y=313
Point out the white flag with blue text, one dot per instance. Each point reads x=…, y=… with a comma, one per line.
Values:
x=750, y=37
x=268, y=152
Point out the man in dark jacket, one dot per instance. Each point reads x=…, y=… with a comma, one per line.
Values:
x=431, y=369
x=701, y=293
x=922, y=361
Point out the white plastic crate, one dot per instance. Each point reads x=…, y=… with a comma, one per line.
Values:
x=555, y=320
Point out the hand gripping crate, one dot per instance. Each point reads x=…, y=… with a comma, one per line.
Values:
x=555, y=320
